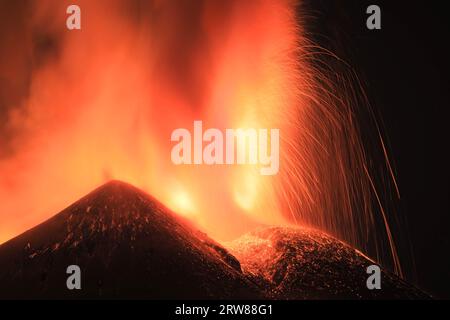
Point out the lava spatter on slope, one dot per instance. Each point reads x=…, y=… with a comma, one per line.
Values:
x=127, y=245
x=302, y=263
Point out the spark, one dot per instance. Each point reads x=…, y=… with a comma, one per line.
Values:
x=106, y=108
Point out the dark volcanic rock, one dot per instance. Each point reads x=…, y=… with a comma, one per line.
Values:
x=298, y=264
x=127, y=245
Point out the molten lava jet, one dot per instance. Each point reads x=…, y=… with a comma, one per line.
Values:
x=101, y=103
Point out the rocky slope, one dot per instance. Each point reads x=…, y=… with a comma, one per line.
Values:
x=128, y=245
x=300, y=263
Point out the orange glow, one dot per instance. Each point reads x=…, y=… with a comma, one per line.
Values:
x=103, y=107
x=181, y=202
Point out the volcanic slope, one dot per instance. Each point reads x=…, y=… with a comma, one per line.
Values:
x=302, y=263
x=128, y=245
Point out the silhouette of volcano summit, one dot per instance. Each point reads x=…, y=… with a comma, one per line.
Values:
x=127, y=244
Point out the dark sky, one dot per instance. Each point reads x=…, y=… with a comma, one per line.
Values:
x=405, y=67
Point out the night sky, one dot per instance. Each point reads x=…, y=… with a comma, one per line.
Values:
x=405, y=67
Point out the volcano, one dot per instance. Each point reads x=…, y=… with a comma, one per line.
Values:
x=128, y=245
x=303, y=263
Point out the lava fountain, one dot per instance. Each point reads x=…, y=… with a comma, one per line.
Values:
x=101, y=103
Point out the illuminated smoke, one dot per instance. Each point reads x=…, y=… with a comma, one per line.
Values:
x=102, y=102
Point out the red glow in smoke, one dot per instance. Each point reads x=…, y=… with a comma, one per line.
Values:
x=103, y=102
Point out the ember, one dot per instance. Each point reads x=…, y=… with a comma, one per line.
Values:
x=97, y=109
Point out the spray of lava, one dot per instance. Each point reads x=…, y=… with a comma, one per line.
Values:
x=101, y=104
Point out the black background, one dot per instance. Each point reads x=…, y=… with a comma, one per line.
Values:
x=405, y=69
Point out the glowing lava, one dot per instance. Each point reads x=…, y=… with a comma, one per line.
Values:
x=102, y=104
